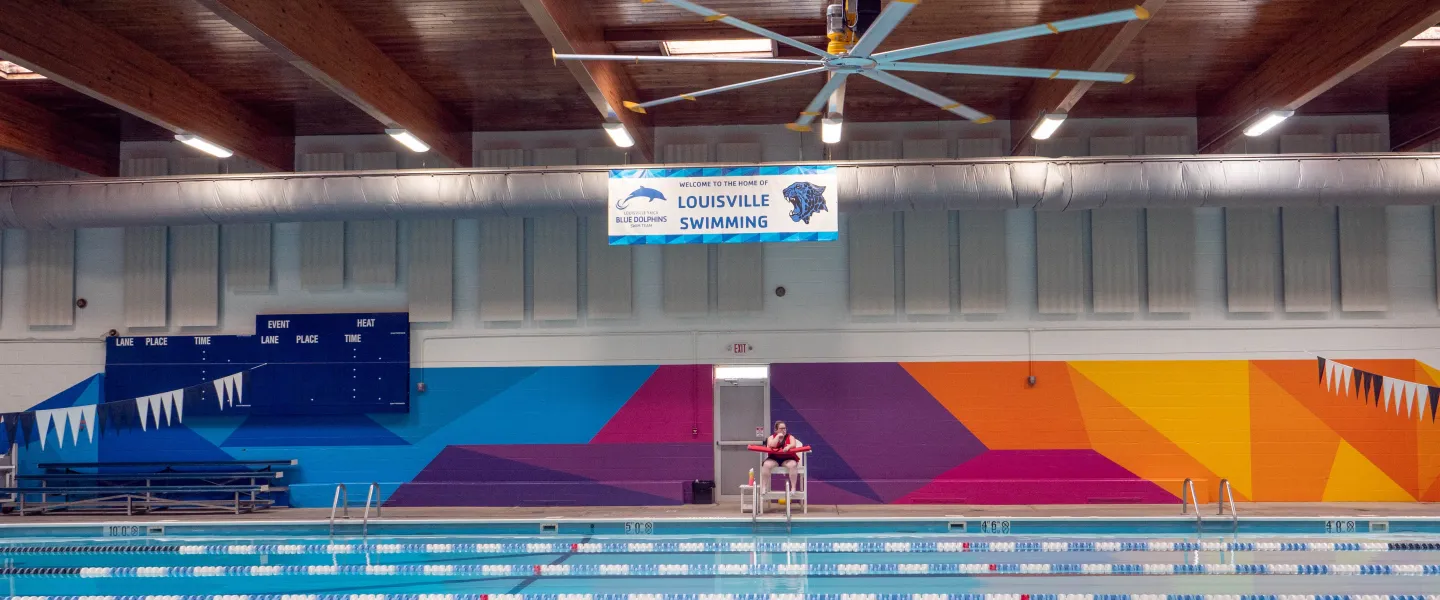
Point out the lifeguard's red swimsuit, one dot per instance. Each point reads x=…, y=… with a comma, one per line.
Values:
x=778, y=457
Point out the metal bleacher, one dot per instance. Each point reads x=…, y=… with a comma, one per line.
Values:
x=145, y=486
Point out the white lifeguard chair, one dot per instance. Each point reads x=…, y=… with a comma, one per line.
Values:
x=751, y=499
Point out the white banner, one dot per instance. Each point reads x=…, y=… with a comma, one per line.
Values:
x=723, y=205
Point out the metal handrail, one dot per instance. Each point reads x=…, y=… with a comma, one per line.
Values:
x=341, y=494
x=373, y=494
x=1226, y=493
x=1189, y=487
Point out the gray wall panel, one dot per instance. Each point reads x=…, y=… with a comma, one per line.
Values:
x=322, y=256
x=195, y=276
x=1115, y=260
x=555, y=157
x=1308, y=250
x=1364, y=259
x=927, y=262
x=430, y=270
x=1170, y=259
x=502, y=269
x=374, y=248
x=50, y=278
x=502, y=158
x=739, y=152
x=1056, y=147
x=1060, y=262
x=685, y=272
x=604, y=156
x=925, y=149
x=1112, y=146
x=1252, y=259
x=870, y=246
x=556, y=268
x=1169, y=145
x=609, y=274
x=375, y=161
x=741, y=277
x=984, y=271
x=247, y=257
x=685, y=153
x=145, y=277
x=870, y=150
x=979, y=147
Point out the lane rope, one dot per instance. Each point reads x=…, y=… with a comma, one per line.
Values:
x=728, y=547
x=722, y=570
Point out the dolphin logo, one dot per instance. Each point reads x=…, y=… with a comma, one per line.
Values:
x=642, y=192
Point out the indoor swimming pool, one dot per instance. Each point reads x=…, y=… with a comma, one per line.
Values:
x=650, y=563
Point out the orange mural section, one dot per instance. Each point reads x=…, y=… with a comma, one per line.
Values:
x=995, y=402
x=1279, y=430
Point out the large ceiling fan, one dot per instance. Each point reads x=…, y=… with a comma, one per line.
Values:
x=855, y=31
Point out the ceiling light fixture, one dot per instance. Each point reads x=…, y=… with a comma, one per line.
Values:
x=10, y=71
x=1268, y=122
x=204, y=145
x=830, y=129
x=619, y=135
x=1047, y=126
x=743, y=48
x=1430, y=37
x=408, y=140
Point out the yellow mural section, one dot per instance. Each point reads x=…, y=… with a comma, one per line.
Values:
x=1354, y=478
x=1203, y=411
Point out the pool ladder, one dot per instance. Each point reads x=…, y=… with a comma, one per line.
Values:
x=342, y=503
x=1188, y=489
x=1226, y=494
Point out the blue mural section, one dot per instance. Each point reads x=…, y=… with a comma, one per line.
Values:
x=462, y=406
x=305, y=364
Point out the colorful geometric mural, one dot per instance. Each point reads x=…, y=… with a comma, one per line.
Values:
x=909, y=433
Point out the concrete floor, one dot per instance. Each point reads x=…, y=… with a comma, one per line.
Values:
x=729, y=510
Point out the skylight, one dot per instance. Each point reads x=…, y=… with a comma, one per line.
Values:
x=744, y=48
x=10, y=71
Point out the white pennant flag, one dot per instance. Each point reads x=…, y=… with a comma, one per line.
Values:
x=167, y=402
x=239, y=387
x=42, y=418
x=155, y=408
x=143, y=405
x=230, y=390
x=180, y=406
x=220, y=392
x=75, y=414
x=88, y=413
x=1348, y=372
x=1417, y=405
x=1386, y=387
x=1401, y=388
x=1327, y=370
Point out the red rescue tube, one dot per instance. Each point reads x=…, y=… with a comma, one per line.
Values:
x=769, y=450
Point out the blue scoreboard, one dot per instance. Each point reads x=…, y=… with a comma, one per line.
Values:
x=303, y=364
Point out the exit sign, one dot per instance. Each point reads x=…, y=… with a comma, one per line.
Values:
x=740, y=348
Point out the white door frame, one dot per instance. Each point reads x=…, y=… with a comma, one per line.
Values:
x=734, y=494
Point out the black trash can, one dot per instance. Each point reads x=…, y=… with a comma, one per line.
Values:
x=702, y=492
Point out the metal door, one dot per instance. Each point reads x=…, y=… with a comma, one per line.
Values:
x=742, y=414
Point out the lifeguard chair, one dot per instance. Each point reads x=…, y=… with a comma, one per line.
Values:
x=751, y=499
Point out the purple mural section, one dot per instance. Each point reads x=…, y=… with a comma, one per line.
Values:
x=558, y=475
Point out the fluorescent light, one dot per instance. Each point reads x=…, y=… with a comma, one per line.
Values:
x=11, y=71
x=744, y=48
x=619, y=135
x=1047, y=126
x=1268, y=122
x=408, y=140
x=735, y=372
x=1429, y=37
x=830, y=130
x=204, y=145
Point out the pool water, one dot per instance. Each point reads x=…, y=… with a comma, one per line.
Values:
x=894, y=563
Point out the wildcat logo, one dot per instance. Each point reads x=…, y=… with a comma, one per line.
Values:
x=806, y=199
x=643, y=192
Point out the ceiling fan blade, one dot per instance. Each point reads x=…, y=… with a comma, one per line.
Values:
x=640, y=107
x=687, y=59
x=713, y=16
x=812, y=110
x=883, y=25
x=944, y=103
x=1008, y=72
x=1107, y=18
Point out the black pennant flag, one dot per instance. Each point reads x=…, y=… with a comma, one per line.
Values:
x=11, y=421
x=1356, y=376
x=1434, y=401
x=1365, y=377
x=1321, y=378
x=27, y=427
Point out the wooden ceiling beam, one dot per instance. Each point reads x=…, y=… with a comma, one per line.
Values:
x=1416, y=124
x=1346, y=37
x=48, y=38
x=316, y=38
x=38, y=133
x=571, y=29
x=1093, y=49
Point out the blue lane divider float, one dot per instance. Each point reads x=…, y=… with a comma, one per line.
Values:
x=722, y=570
x=748, y=597
x=731, y=547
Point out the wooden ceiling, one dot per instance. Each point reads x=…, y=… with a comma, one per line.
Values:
x=485, y=65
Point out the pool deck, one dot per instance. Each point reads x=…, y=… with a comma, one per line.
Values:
x=862, y=512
